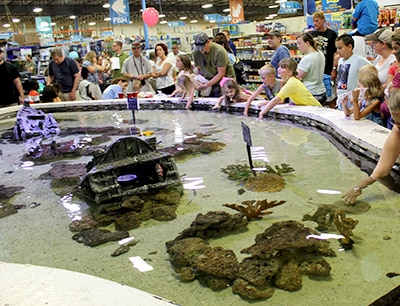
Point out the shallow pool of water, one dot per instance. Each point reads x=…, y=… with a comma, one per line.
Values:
x=41, y=236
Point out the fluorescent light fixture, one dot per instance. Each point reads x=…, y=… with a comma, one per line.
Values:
x=107, y=5
x=280, y=1
x=107, y=19
x=194, y=21
x=183, y=18
x=92, y=23
x=53, y=24
x=163, y=22
x=161, y=16
x=207, y=5
x=273, y=15
x=6, y=25
x=269, y=17
x=15, y=20
x=37, y=9
x=72, y=17
x=273, y=6
x=226, y=10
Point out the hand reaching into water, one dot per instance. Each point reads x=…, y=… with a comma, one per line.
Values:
x=351, y=196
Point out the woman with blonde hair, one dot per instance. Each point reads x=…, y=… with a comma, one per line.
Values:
x=90, y=63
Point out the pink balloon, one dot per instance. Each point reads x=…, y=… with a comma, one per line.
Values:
x=150, y=16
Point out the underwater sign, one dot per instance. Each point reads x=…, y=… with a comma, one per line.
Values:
x=119, y=12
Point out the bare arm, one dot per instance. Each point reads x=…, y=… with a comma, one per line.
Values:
x=301, y=74
x=18, y=85
x=270, y=105
x=220, y=74
x=251, y=99
x=390, y=153
x=72, y=94
x=164, y=70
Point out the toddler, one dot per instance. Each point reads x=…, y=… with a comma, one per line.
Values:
x=232, y=93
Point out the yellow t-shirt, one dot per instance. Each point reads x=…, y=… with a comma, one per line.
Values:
x=297, y=92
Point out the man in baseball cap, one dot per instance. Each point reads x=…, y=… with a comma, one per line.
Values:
x=213, y=63
x=280, y=51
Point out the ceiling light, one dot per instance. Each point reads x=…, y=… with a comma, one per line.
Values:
x=183, y=18
x=92, y=23
x=53, y=24
x=6, y=25
x=193, y=21
x=280, y=1
x=161, y=16
x=269, y=17
x=226, y=10
x=37, y=9
x=15, y=20
x=72, y=17
x=273, y=15
x=273, y=6
x=107, y=5
x=163, y=22
x=207, y=5
x=107, y=19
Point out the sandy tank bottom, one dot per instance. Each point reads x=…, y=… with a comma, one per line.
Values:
x=40, y=236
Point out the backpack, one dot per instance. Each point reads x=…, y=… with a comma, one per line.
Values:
x=239, y=71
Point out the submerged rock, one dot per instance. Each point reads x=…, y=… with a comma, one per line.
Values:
x=95, y=237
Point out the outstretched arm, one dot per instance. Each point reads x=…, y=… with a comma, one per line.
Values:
x=390, y=153
x=269, y=106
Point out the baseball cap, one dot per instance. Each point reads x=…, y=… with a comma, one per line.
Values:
x=200, y=41
x=274, y=33
x=384, y=35
x=136, y=45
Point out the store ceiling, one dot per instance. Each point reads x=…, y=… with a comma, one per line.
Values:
x=92, y=10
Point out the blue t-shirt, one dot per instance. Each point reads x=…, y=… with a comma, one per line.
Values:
x=279, y=54
x=111, y=92
x=366, y=12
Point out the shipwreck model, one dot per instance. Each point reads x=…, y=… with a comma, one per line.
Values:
x=130, y=166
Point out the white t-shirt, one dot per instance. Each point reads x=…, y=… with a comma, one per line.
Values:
x=348, y=72
x=313, y=64
x=166, y=80
x=383, y=69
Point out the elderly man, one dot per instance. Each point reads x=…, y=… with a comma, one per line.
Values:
x=65, y=71
x=212, y=62
x=137, y=67
x=10, y=83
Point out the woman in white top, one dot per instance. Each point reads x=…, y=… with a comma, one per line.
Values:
x=311, y=67
x=382, y=45
x=163, y=70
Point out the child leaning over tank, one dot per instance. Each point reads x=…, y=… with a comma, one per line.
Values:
x=232, y=93
x=293, y=88
x=270, y=86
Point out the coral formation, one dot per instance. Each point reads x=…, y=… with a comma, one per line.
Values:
x=280, y=257
x=345, y=227
x=269, y=182
x=269, y=179
x=254, y=210
x=324, y=216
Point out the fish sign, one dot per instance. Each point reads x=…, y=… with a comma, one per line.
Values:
x=119, y=12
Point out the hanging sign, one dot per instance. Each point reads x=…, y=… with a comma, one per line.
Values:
x=177, y=23
x=237, y=10
x=119, y=12
x=44, y=30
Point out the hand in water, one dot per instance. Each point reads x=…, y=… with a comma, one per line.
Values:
x=351, y=196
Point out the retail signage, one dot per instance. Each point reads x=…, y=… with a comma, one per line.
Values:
x=237, y=11
x=177, y=23
x=217, y=18
x=119, y=12
x=44, y=30
x=327, y=6
x=289, y=7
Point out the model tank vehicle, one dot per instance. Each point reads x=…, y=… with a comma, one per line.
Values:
x=129, y=166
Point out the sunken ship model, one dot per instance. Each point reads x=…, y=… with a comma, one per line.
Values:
x=130, y=166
